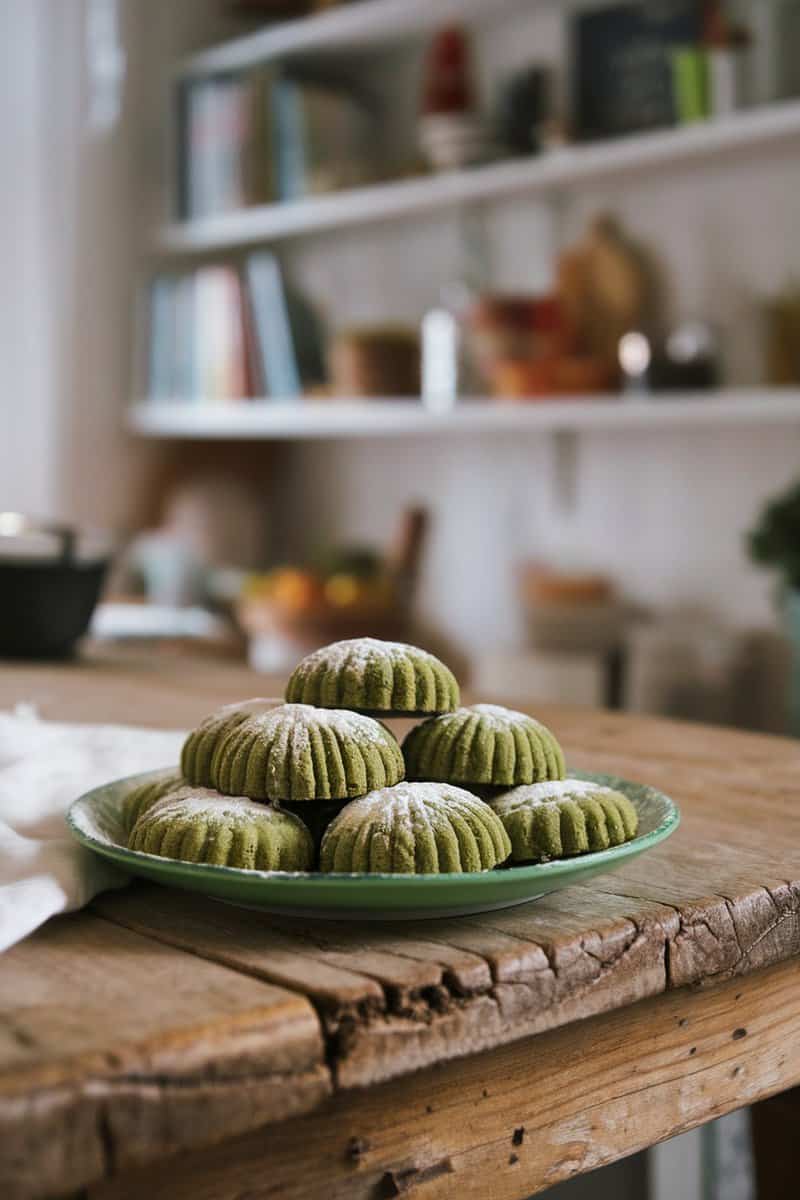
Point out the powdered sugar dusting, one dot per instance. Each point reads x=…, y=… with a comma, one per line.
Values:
x=498, y=717
x=292, y=724
x=403, y=801
x=259, y=704
x=203, y=802
x=357, y=653
x=533, y=795
x=420, y=793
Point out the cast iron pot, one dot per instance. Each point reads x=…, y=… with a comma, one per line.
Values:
x=46, y=602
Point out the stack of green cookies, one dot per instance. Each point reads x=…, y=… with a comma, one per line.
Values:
x=319, y=781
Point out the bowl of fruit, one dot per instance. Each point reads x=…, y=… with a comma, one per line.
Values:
x=346, y=591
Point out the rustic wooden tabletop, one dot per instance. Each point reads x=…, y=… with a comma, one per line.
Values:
x=163, y=1045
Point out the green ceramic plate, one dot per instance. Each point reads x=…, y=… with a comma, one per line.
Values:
x=95, y=821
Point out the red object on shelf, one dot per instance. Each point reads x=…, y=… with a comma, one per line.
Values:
x=448, y=75
x=720, y=32
x=516, y=329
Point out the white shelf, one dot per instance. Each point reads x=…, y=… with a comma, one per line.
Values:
x=556, y=169
x=274, y=420
x=350, y=27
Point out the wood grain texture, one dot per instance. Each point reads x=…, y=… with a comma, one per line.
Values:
x=516, y=1119
x=405, y=996
x=115, y=1049
x=162, y=687
x=718, y=901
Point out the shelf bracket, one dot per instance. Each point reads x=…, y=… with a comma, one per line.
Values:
x=564, y=471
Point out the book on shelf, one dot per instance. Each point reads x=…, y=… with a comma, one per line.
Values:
x=221, y=334
x=323, y=134
x=272, y=333
x=219, y=366
x=225, y=153
x=264, y=135
x=215, y=126
x=623, y=64
x=183, y=374
x=162, y=337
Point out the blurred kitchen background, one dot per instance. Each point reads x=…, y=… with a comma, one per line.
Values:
x=474, y=323
x=477, y=324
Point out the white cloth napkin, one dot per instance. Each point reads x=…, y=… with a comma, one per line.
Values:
x=44, y=766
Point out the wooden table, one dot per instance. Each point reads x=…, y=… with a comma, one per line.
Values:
x=158, y=1045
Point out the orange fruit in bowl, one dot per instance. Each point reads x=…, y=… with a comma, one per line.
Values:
x=294, y=590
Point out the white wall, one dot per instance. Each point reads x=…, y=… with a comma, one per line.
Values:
x=67, y=246
x=73, y=215
x=664, y=513
x=28, y=437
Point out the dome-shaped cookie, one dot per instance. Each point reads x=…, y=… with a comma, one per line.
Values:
x=374, y=677
x=291, y=752
x=565, y=817
x=140, y=798
x=415, y=829
x=483, y=744
x=201, y=826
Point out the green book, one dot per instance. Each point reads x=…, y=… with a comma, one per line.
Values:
x=690, y=84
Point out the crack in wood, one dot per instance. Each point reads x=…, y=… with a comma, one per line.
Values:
x=106, y=1140
x=420, y=1014
x=790, y=913
x=731, y=907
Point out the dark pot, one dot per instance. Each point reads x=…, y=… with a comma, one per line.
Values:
x=46, y=602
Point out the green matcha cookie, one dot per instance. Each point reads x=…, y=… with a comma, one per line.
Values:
x=374, y=677
x=291, y=752
x=481, y=745
x=199, y=825
x=139, y=799
x=565, y=817
x=415, y=829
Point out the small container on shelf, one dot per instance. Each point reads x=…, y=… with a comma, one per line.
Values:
x=572, y=610
x=526, y=112
x=452, y=133
x=514, y=340
x=568, y=375
x=441, y=354
x=525, y=347
x=691, y=358
x=380, y=360
x=782, y=344
x=730, y=67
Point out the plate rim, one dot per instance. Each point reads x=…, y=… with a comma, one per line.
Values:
x=319, y=879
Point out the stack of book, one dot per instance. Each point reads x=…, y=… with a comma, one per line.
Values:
x=268, y=136
x=220, y=334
